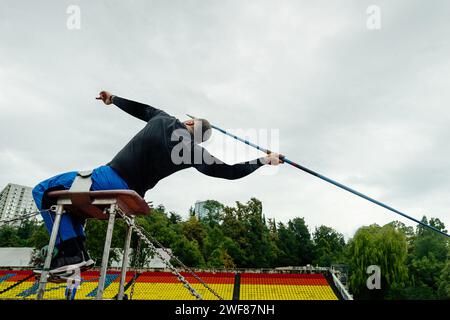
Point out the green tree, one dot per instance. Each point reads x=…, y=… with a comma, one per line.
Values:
x=25, y=230
x=233, y=227
x=295, y=244
x=214, y=212
x=305, y=252
x=328, y=246
x=385, y=247
x=194, y=230
x=220, y=258
x=9, y=237
x=188, y=252
x=287, y=246
x=257, y=250
x=174, y=218
x=160, y=227
x=96, y=233
x=427, y=262
x=39, y=237
x=444, y=282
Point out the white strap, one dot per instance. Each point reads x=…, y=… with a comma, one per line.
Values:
x=82, y=182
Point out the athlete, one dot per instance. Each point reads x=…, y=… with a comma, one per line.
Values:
x=162, y=147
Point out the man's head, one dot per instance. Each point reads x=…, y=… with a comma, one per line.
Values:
x=199, y=128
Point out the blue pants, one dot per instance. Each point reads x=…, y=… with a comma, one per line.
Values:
x=103, y=178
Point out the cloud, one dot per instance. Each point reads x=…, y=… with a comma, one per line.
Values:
x=368, y=108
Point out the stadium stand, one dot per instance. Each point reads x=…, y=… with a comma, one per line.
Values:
x=259, y=286
x=157, y=285
x=165, y=286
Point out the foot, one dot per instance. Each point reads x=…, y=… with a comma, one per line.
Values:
x=61, y=265
x=89, y=262
x=68, y=264
x=60, y=278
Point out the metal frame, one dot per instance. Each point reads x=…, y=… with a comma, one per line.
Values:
x=107, y=247
x=345, y=294
x=112, y=211
x=51, y=246
x=125, y=258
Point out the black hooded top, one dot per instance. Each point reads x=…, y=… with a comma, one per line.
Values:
x=165, y=146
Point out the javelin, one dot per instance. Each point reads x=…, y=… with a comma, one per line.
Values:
x=340, y=185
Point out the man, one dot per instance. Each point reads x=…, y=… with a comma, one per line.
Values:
x=164, y=146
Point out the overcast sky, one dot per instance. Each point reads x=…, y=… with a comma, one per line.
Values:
x=369, y=108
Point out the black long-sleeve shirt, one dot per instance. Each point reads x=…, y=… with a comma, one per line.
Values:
x=149, y=156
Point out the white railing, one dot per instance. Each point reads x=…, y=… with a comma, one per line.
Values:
x=345, y=294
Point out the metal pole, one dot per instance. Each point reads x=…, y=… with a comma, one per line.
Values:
x=51, y=246
x=109, y=233
x=340, y=185
x=126, y=251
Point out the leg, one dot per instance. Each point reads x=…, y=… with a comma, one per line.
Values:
x=62, y=181
x=109, y=232
x=78, y=226
x=48, y=259
x=123, y=275
x=70, y=254
x=67, y=229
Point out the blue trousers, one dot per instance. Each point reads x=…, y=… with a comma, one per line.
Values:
x=103, y=178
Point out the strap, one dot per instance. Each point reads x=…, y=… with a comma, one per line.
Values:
x=82, y=182
x=81, y=185
x=85, y=174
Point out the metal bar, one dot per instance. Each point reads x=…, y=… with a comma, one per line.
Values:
x=109, y=233
x=104, y=201
x=341, y=288
x=126, y=251
x=381, y=204
x=51, y=246
x=340, y=185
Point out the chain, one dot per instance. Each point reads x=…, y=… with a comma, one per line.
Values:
x=152, y=247
x=181, y=263
x=24, y=217
x=143, y=236
x=136, y=265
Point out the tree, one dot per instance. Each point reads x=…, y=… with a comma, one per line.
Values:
x=194, y=230
x=287, y=246
x=427, y=262
x=188, y=252
x=160, y=227
x=214, y=211
x=221, y=259
x=385, y=247
x=407, y=231
x=96, y=233
x=430, y=243
x=9, y=237
x=258, y=249
x=40, y=237
x=174, y=218
x=303, y=236
x=328, y=246
x=25, y=230
x=444, y=282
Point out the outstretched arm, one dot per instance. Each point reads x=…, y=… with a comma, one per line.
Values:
x=136, y=109
x=219, y=169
